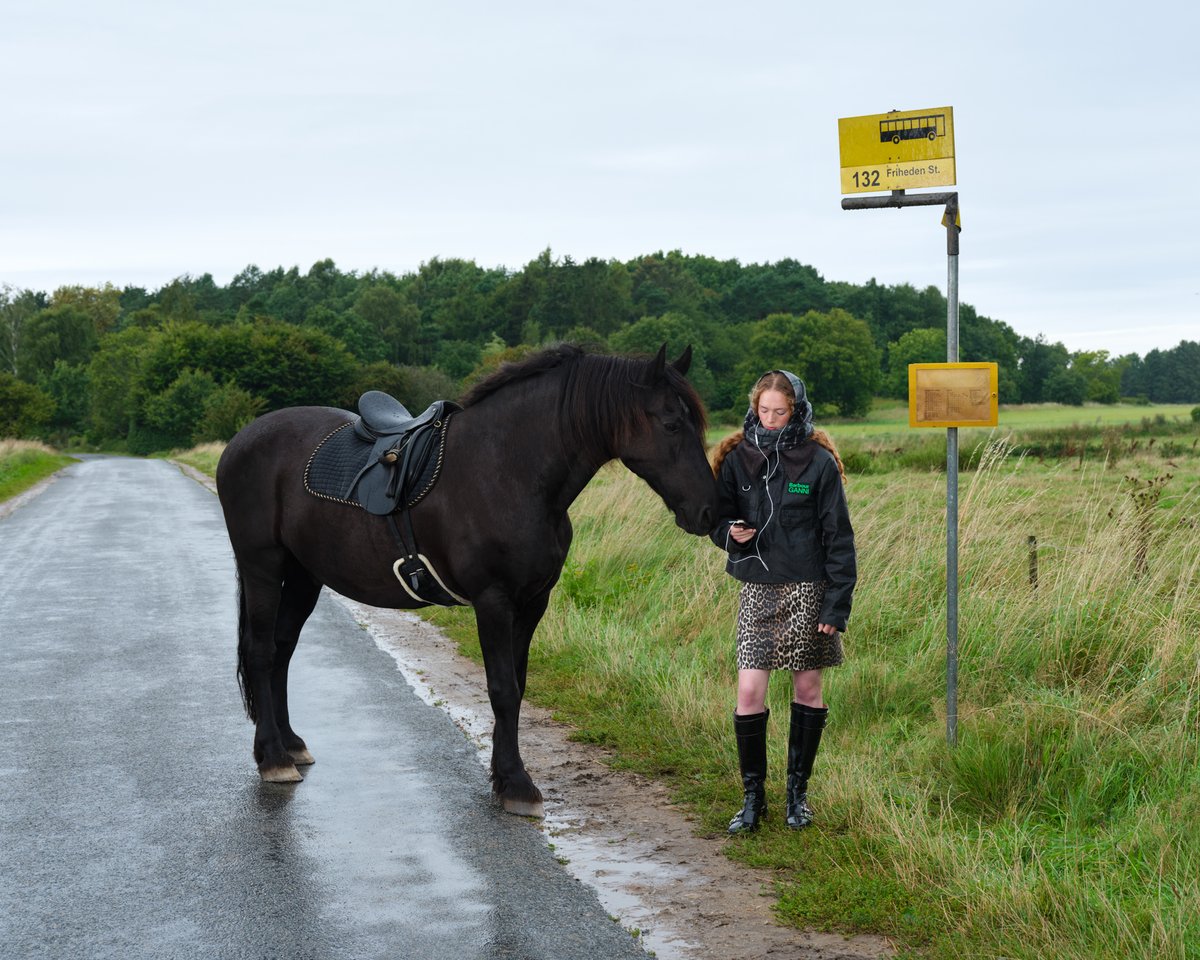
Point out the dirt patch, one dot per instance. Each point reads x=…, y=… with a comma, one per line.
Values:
x=616, y=831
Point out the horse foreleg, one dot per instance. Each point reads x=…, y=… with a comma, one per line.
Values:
x=256, y=667
x=495, y=616
x=297, y=600
x=526, y=622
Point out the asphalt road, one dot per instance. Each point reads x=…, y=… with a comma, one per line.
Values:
x=132, y=820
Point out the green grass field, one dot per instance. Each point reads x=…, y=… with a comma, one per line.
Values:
x=888, y=421
x=888, y=417
x=884, y=442
x=1064, y=823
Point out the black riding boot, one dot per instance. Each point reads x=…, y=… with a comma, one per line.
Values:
x=803, y=740
x=752, y=758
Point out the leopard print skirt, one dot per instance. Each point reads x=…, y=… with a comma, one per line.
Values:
x=777, y=628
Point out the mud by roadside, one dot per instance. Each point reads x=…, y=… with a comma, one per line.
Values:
x=615, y=831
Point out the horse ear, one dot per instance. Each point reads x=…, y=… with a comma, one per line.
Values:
x=655, y=372
x=685, y=360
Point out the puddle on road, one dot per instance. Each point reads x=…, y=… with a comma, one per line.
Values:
x=616, y=867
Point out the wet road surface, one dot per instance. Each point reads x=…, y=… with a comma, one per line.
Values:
x=132, y=820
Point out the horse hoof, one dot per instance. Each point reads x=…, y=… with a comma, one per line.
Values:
x=525, y=808
x=301, y=757
x=288, y=774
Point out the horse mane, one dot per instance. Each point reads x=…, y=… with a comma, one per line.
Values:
x=597, y=398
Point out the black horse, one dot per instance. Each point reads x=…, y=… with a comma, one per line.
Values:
x=494, y=527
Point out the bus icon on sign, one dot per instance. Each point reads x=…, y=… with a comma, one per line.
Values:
x=913, y=128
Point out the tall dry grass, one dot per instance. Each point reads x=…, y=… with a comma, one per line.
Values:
x=1057, y=818
x=11, y=448
x=203, y=457
x=1062, y=824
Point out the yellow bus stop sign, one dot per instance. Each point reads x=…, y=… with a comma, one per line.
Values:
x=897, y=150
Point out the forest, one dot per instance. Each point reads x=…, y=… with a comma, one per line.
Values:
x=129, y=369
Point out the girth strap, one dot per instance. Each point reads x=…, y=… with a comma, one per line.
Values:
x=416, y=573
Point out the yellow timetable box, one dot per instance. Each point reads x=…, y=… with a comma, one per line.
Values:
x=953, y=394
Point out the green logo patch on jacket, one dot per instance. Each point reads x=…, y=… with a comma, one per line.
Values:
x=798, y=488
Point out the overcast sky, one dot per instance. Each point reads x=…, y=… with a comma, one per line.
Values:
x=144, y=141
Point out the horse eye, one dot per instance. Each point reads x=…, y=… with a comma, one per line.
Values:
x=672, y=426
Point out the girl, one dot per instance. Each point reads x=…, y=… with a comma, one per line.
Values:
x=784, y=522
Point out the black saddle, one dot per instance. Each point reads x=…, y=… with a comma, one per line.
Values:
x=384, y=460
x=382, y=415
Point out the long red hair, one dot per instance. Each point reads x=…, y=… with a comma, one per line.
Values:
x=773, y=381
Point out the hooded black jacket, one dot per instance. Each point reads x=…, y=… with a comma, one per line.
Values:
x=796, y=502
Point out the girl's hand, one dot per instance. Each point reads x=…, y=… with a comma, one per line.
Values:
x=827, y=628
x=742, y=534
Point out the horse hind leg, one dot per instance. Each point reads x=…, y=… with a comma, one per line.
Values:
x=297, y=600
x=259, y=607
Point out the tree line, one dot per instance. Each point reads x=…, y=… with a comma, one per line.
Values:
x=194, y=360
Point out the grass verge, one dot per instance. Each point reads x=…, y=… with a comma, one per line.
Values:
x=1062, y=825
x=203, y=458
x=24, y=463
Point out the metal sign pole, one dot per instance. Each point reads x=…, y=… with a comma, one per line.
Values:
x=899, y=198
x=952, y=230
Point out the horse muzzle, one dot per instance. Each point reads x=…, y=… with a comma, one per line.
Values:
x=698, y=522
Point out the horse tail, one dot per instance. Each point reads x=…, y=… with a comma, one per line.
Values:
x=243, y=651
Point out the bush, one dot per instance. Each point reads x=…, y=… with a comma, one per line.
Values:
x=226, y=411
x=67, y=385
x=173, y=414
x=415, y=387
x=24, y=409
x=144, y=440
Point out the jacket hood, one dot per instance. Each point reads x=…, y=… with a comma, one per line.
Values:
x=803, y=414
